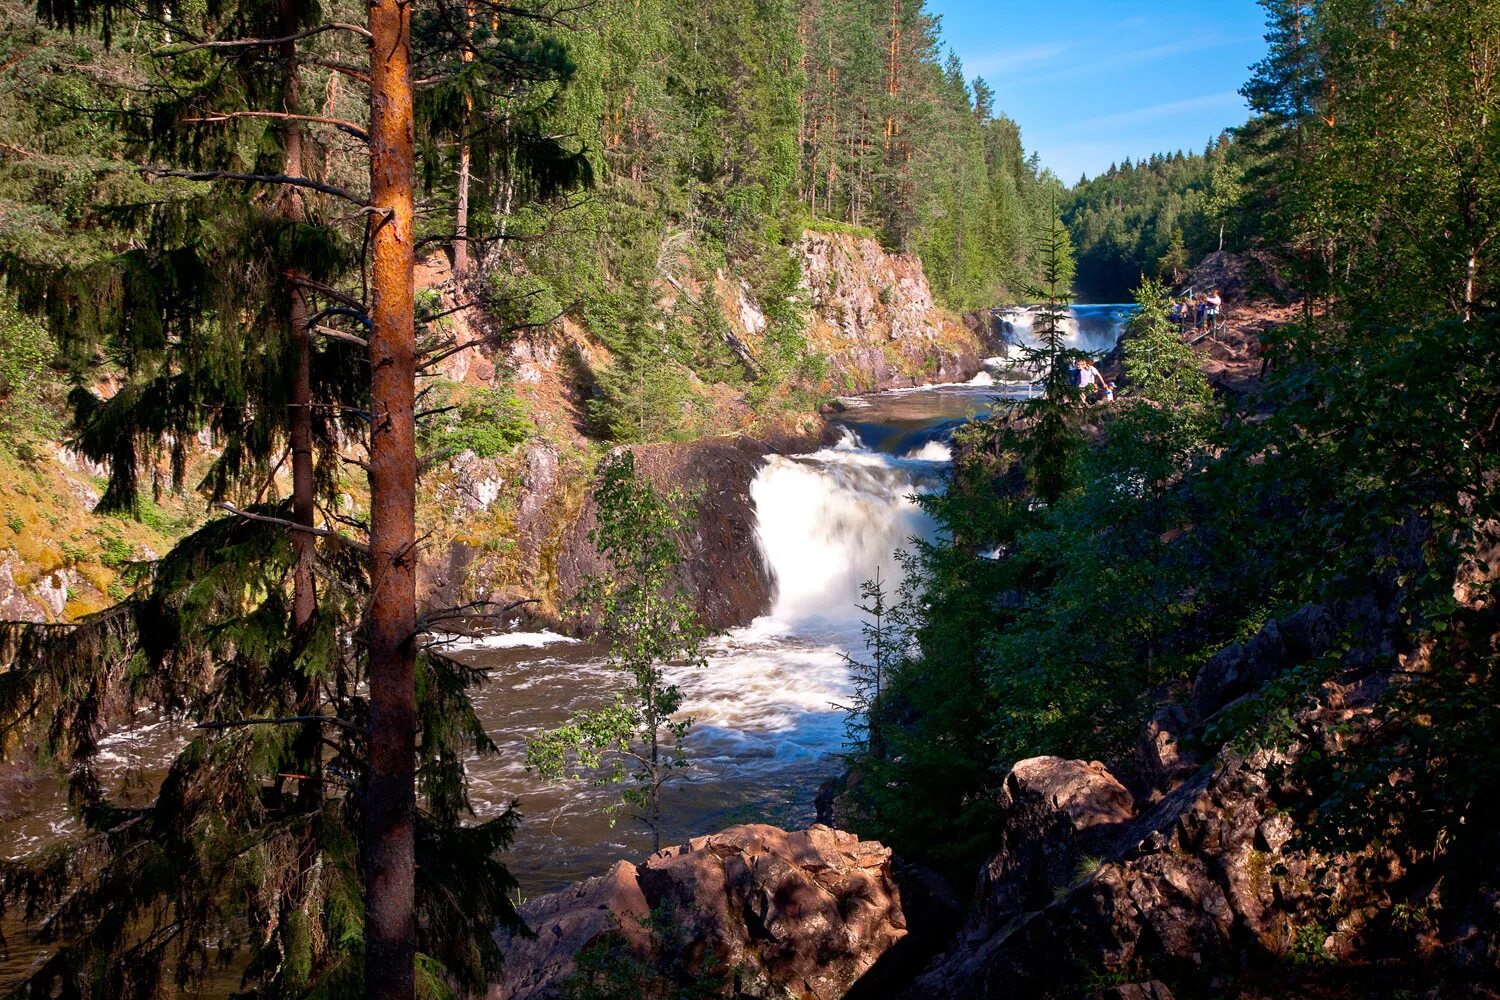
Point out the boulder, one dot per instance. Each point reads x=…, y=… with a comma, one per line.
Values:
x=1222, y=678
x=1159, y=752
x=780, y=914
x=565, y=923
x=1153, y=990
x=1238, y=670
x=1308, y=632
x=1055, y=813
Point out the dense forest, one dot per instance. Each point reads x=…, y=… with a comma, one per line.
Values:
x=212, y=218
x=1082, y=581
x=1158, y=217
x=211, y=222
x=682, y=142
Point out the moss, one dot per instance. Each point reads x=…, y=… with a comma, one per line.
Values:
x=52, y=527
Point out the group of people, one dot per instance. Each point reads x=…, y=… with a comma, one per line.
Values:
x=1199, y=312
x=1087, y=376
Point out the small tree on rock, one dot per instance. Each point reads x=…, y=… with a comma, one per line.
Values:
x=646, y=616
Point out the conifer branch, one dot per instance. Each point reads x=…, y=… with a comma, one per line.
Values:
x=248, y=43
x=283, y=721
x=225, y=175
x=294, y=526
x=213, y=117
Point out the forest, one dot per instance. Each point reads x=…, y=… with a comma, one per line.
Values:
x=212, y=221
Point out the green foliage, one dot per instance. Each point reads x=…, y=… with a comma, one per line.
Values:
x=1048, y=449
x=486, y=421
x=864, y=724
x=1159, y=365
x=1160, y=216
x=27, y=384
x=642, y=610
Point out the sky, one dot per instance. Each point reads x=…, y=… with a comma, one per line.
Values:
x=1091, y=82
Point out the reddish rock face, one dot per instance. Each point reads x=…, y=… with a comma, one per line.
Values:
x=801, y=914
x=1056, y=813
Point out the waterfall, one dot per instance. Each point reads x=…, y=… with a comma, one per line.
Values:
x=1092, y=328
x=828, y=521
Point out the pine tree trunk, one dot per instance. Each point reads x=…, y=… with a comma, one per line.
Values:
x=390, y=799
x=306, y=751
x=465, y=155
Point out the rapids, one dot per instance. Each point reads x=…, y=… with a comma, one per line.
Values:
x=768, y=726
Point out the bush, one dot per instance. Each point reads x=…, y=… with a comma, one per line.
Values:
x=488, y=422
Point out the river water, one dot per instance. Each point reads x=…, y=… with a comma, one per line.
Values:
x=768, y=722
x=768, y=726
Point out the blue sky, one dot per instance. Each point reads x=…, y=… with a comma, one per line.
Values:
x=1093, y=81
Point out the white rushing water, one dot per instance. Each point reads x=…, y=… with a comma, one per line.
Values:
x=830, y=520
x=1092, y=328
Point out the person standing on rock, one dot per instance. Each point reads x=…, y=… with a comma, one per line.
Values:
x=1215, y=304
x=1088, y=375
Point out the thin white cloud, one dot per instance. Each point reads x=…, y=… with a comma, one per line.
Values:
x=1007, y=61
x=1207, y=102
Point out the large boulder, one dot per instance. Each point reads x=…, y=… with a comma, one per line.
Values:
x=1055, y=813
x=780, y=914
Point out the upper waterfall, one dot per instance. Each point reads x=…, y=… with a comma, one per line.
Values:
x=1092, y=328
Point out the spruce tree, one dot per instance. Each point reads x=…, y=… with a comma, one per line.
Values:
x=262, y=626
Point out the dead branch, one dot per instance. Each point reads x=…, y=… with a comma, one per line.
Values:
x=247, y=43
x=214, y=117
x=225, y=175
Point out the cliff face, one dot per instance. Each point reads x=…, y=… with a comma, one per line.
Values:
x=874, y=319
x=870, y=315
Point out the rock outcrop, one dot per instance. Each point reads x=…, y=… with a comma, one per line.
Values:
x=1207, y=873
x=776, y=914
x=1057, y=813
x=874, y=318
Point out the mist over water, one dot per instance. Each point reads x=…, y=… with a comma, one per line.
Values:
x=1092, y=328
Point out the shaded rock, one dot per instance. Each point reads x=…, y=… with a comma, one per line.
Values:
x=1237, y=670
x=933, y=914
x=1222, y=678
x=801, y=914
x=1153, y=990
x=1055, y=812
x=835, y=803
x=565, y=923
x=1307, y=632
x=1159, y=752
x=722, y=567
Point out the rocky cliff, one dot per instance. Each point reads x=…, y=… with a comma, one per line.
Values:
x=517, y=526
x=874, y=319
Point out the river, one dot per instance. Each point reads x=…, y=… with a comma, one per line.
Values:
x=768, y=723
